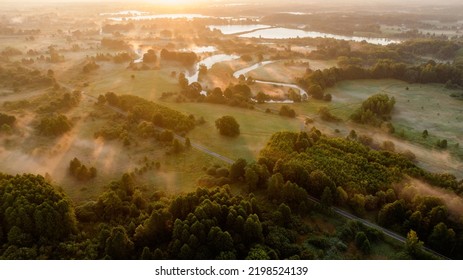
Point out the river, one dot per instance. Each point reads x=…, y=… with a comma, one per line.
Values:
x=288, y=33
x=246, y=70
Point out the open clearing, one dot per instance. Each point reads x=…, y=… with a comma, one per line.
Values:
x=256, y=128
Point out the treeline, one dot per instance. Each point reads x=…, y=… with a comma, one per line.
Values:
x=6, y=119
x=114, y=44
x=18, y=77
x=5, y=30
x=238, y=95
x=120, y=57
x=185, y=58
x=80, y=171
x=368, y=54
x=142, y=109
x=430, y=72
x=54, y=125
x=346, y=173
x=60, y=100
x=6, y=123
x=90, y=66
x=111, y=28
x=441, y=49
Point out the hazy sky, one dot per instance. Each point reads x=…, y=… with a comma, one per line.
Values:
x=441, y=2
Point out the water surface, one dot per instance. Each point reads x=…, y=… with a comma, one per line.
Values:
x=287, y=33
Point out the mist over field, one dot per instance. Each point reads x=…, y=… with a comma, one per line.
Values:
x=222, y=130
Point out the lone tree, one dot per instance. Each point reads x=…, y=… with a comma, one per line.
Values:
x=227, y=126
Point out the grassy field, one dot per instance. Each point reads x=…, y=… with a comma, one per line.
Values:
x=149, y=84
x=256, y=128
x=415, y=111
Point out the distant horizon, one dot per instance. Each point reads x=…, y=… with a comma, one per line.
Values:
x=354, y=2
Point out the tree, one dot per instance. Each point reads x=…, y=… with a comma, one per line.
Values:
x=251, y=178
x=182, y=81
x=237, y=169
x=327, y=197
x=442, y=144
x=316, y=91
x=362, y=242
x=253, y=229
x=286, y=111
x=150, y=57
x=118, y=244
x=36, y=213
x=262, y=97
x=228, y=126
x=442, y=238
x=326, y=115
x=413, y=246
x=54, y=125
x=187, y=143
x=177, y=147
x=425, y=134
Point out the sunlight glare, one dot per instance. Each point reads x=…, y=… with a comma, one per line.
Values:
x=170, y=2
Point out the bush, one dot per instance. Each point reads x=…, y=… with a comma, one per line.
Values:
x=228, y=126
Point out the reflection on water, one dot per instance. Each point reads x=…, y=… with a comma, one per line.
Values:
x=202, y=49
x=246, y=70
x=250, y=68
x=161, y=16
x=239, y=28
x=208, y=62
x=287, y=33
x=125, y=13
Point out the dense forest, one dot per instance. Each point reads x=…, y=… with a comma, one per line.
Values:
x=263, y=222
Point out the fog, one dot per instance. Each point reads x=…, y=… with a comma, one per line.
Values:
x=238, y=2
x=416, y=188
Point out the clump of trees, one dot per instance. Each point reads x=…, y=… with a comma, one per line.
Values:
x=326, y=115
x=90, y=66
x=142, y=109
x=80, y=171
x=150, y=56
x=186, y=58
x=60, y=101
x=34, y=218
x=20, y=77
x=375, y=110
x=113, y=28
x=346, y=173
x=239, y=95
x=287, y=111
x=6, y=119
x=114, y=44
x=228, y=126
x=54, y=125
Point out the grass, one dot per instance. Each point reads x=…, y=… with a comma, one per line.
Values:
x=28, y=152
x=149, y=84
x=420, y=107
x=256, y=128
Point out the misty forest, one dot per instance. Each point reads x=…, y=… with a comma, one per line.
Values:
x=231, y=130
